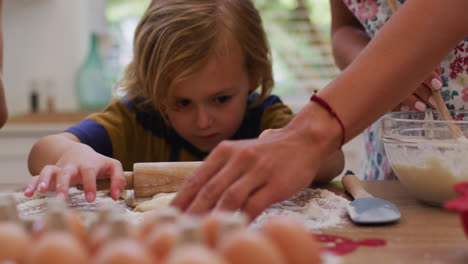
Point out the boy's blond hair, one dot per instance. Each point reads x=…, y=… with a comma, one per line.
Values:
x=176, y=38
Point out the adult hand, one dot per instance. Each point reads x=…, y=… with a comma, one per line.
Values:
x=253, y=174
x=79, y=164
x=422, y=96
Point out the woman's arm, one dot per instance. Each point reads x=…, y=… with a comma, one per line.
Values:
x=396, y=60
x=348, y=36
x=252, y=175
x=331, y=167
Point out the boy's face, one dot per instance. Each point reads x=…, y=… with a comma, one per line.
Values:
x=210, y=106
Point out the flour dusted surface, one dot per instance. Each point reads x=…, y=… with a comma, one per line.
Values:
x=315, y=208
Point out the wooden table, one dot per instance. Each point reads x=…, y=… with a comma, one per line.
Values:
x=424, y=234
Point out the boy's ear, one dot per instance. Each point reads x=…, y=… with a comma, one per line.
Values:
x=254, y=78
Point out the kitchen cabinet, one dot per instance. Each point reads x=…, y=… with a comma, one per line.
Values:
x=19, y=135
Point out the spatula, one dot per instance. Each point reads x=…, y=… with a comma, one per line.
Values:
x=367, y=209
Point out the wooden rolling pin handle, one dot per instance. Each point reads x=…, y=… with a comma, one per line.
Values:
x=156, y=177
x=353, y=185
x=104, y=184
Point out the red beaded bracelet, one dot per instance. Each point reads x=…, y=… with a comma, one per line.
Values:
x=324, y=104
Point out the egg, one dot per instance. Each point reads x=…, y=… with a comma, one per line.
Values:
x=296, y=244
x=189, y=246
x=57, y=247
x=97, y=238
x=57, y=244
x=123, y=251
x=195, y=254
x=14, y=241
x=155, y=219
x=211, y=225
x=38, y=228
x=69, y=221
x=100, y=230
x=162, y=240
x=247, y=247
x=8, y=211
x=120, y=247
x=190, y=231
x=76, y=227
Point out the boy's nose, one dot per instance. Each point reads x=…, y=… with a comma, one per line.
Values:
x=204, y=119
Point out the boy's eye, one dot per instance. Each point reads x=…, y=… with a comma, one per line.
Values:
x=223, y=99
x=182, y=103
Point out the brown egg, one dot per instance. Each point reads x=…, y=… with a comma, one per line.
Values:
x=161, y=241
x=211, y=226
x=76, y=227
x=38, y=228
x=296, y=244
x=14, y=242
x=247, y=247
x=57, y=247
x=97, y=238
x=69, y=221
x=120, y=247
x=14, y=239
x=123, y=251
x=155, y=219
x=195, y=254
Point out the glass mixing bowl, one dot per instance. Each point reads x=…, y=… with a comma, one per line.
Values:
x=425, y=154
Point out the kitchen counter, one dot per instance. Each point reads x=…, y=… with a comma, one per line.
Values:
x=424, y=234
x=19, y=135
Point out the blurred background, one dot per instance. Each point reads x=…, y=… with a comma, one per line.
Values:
x=57, y=54
x=47, y=41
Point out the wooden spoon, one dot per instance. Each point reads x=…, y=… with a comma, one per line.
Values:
x=456, y=131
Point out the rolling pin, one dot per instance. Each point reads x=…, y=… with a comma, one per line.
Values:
x=150, y=178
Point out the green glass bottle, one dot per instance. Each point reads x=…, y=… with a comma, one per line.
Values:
x=93, y=85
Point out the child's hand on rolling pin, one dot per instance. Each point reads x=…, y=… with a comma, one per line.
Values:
x=422, y=96
x=78, y=164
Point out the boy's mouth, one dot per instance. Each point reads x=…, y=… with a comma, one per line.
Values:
x=208, y=137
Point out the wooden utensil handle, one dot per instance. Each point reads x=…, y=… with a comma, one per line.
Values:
x=155, y=177
x=353, y=185
x=104, y=184
x=457, y=133
x=150, y=178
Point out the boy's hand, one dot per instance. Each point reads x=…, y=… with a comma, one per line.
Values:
x=422, y=96
x=79, y=164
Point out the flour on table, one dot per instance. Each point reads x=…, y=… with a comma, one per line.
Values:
x=34, y=207
x=315, y=208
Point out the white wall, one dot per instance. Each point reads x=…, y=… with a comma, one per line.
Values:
x=44, y=39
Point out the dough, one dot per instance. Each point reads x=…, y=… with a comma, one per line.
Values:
x=432, y=184
x=158, y=201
